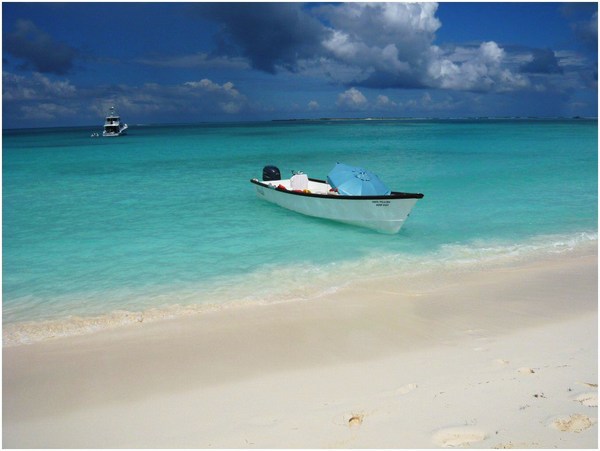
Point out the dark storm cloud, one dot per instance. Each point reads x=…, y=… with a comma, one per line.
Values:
x=375, y=45
x=371, y=45
x=38, y=50
x=385, y=80
x=268, y=34
x=544, y=62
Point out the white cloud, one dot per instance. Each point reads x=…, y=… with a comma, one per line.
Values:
x=473, y=69
x=567, y=58
x=490, y=52
x=209, y=86
x=352, y=99
x=387, y=40
x=391, y=45
x=37, y=87
x=416, y=16
x=313, y=105
x=379, y=24
x=226, y=97
x=384, y=102
x=340, y=44
x=39, y=98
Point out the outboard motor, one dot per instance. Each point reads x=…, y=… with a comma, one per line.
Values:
x=271, y=173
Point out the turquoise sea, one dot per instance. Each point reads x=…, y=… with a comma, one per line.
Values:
x=164, y=221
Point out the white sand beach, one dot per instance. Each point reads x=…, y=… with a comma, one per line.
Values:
x=505, y=357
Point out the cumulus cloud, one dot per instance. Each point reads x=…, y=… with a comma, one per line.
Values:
x=373, y=45
x=352, y=99
x=38, y=50
x=476, y=69
x=384, y=102
x=357, y=46
x=386, y=40
x=225, y=96
x=36, y=97
x=378, y=45
x=37, y=87
x=365, y=44
x=379, y=24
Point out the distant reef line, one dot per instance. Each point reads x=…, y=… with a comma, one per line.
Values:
x=459, y=118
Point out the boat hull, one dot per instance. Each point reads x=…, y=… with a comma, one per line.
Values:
x=385, y=214
x=121, y=131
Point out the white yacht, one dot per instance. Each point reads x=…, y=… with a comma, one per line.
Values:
x=112, y=124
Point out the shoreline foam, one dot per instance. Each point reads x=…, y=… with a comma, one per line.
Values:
x=322, y=282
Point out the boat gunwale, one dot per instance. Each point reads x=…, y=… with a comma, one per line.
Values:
x=392, y=195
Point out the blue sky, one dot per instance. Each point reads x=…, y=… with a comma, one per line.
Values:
x=64, y=64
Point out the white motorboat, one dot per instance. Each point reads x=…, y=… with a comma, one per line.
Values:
x=112, y=124
x=385, y=212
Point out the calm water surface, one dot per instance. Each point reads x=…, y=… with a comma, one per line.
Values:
x=166, y=216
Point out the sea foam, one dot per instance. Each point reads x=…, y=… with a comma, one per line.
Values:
x=273, y=284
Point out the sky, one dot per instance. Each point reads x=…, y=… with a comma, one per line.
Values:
x=65, y=64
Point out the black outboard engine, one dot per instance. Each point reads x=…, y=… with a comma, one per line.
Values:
x=271, y=173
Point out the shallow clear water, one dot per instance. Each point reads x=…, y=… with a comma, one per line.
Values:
x=166, y=215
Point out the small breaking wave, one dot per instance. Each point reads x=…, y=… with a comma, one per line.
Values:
x=35, y=331
x=272, y=284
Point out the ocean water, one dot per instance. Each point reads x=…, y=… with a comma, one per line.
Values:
x=164, y=221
